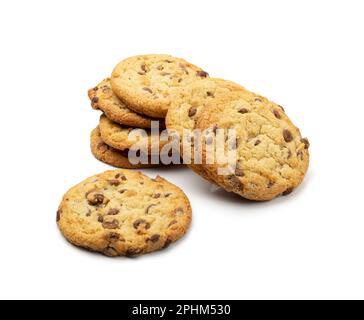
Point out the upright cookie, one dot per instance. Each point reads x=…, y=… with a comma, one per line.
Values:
x=103, y=98
x=114, y=157
x=117, y=136
x=272, y=157
x=145, y=83
x=124, y=212
x=187, y=107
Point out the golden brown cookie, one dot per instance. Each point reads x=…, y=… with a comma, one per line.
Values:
x=187, y=107
x=114, y=157
x=117, y=136
x=146, y=83
x=103, y=98
x=124, y=213
x=271, y=156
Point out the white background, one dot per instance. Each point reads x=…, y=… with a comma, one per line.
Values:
x=305, y=55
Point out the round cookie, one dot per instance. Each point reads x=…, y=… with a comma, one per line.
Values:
x=146, y=83
x=117, y=136
x=188, y=104
x=103, y=98
x=124, y=213
x=111, y=156
x=272, y=157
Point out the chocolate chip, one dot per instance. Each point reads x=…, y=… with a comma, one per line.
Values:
x=154, y=238
x=202, y=74
x=192, y=111
x=94, y=100
x=172, y=223
x=276, y=113
x=167, y=195
x=210, y=94
x=168, y=61
x=113, y=236
x=270, y=184
x=149, y=207
x=100, y=219
x=287, y=135
x=113, y=212
x=95, y=89
x=148, y=89
x=306, y=142
x=95, y=199
x=139, y=222
x=243, y=110
x=114, y=183
x=156, y=196
x=167, y=243
x=288, y=191
x=144, y=68
x=239, y=172
x=214, y=129
x=257, y=143
x=111, y=224
x=133, y=252
x=123, y=191
x=236, y=183
x=59, y=213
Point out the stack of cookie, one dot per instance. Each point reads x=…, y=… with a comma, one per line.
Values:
x=136, y=96
x=271, y=157
x=123, y=212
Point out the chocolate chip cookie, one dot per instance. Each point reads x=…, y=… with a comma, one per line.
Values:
x=145, y=83
x=271, y=156
x=118, y=136
x=114, y=157
x=124, y=213
x=187, y=107
x=103, y=98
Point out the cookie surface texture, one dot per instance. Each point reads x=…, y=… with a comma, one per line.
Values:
x=103, y=98
x=146, y=83
x=124, y=213
x=272, y=157
x=117, y=136
x=111, y=156
x=188, y=105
